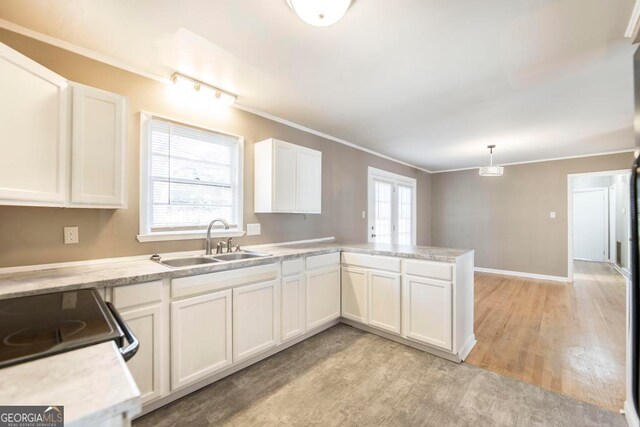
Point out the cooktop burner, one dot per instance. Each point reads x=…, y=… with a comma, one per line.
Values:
x=42, y=325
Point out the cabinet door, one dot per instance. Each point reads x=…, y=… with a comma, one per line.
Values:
x=33, y=132
x=309, y=180
x=323, y=296
x=200, y=337
x=98, y=148
x=256, y=319
x=427, y=311
x=145, y=366
x=284, y=177
x=354, y=294
x=292, y=307
x=384, y=300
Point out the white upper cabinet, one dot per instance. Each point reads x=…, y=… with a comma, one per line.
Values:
x=55, y=152
x=34, y=138
x=288, y=178
x=98, y=148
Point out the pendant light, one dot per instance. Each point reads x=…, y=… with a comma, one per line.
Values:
x=491, y=170
x=320, y=13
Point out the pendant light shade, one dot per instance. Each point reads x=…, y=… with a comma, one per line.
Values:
x=491, y=170
x=320, y=13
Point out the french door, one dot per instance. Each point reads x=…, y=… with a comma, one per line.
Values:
x=392, y=208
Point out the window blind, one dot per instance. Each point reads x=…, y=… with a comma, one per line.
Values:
x=194, y=176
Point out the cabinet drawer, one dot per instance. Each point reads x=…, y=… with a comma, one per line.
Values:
x=194, y=285
x=143, y=293
x=292, y=266
x=433, y=269
x=318, y=261
x=372, y=261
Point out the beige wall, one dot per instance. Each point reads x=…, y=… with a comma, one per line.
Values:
x=506, y=220
x=34, y=235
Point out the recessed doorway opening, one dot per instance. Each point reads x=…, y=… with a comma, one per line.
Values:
x=598, y=219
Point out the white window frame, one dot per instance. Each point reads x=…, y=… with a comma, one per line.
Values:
x=146, y=235
x=395, y=179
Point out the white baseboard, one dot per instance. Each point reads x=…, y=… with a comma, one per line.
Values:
x=522, y=274
x=623, y=271
x=467, y=347
x=630, y=414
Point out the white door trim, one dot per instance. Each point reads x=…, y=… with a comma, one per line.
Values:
x=570, y=178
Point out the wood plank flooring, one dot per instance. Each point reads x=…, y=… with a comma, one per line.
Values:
x=567, y=338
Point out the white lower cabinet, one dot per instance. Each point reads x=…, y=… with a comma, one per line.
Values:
x=292, y=307
x=141, y=308
x=323, y=296
x=427, y=311
x=384, y=300
x=256, y=318
x=354, y=294
x=201, y=337
x=371, y=297
x=145, y=365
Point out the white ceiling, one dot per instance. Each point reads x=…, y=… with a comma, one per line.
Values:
x=424, y=81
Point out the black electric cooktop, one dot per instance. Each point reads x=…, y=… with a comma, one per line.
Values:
x=37, y=326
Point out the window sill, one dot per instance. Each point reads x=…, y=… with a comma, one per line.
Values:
x=187, y=235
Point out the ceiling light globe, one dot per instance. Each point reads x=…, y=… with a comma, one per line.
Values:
x=320, y=13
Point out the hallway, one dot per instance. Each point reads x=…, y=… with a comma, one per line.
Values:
x=567, y=338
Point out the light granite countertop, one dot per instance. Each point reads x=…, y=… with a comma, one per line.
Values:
x=118, y=273
x=92, y=383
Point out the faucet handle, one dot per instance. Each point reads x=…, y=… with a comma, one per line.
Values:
x=219, y=247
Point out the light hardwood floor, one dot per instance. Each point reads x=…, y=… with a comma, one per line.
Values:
x=567, y=338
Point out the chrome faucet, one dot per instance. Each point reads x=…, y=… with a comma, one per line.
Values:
x=208, y=242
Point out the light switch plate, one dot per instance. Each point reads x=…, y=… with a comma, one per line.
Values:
x=253, y=229
x=552, y=215
x=71, y=235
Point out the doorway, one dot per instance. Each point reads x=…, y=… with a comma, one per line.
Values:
x=598, y=219
x=392, y=208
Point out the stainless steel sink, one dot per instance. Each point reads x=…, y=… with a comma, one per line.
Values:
x=184, y=262
x=234, y=256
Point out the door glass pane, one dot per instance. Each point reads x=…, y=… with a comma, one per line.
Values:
x=405, y=212
x=383, y=193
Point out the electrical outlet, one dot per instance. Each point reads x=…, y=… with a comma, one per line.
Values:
x=364, y=214
x=552, y=215
x=253, y=229
x=71, y=235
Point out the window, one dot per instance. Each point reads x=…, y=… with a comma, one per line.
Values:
x=189, y=176
x=392, y=208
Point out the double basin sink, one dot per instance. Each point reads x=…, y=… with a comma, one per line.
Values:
x=200, y=260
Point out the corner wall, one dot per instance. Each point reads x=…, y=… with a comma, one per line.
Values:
x=506, y=220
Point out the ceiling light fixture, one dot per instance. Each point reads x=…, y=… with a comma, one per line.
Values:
x=491, y=170
x=187, y=83
x=320, y=13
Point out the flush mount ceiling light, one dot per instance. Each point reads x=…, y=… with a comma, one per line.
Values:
x=320, y=13
x=188, y=84
x=491, y=170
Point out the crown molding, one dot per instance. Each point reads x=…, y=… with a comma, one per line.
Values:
x=552, y=159
x=323, y=135
x=106, y=59
x=633, y=28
